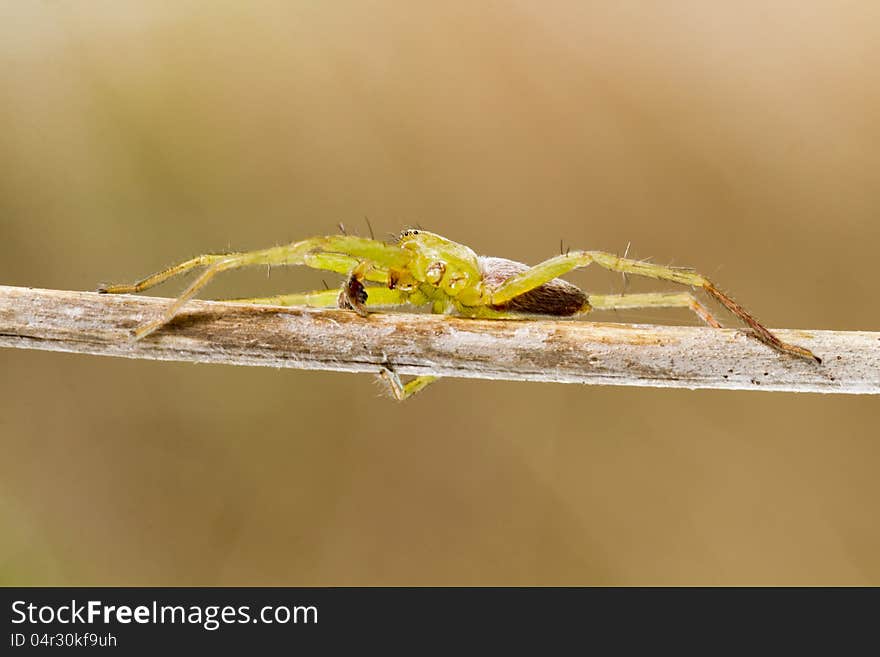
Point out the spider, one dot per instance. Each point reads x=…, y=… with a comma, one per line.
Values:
x=422, y=268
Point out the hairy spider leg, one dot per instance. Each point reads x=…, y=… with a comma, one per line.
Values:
x=161, y=276
x=402, y=391
x=554, y=267
x=326, y=260
x=376, y=296
x=317, y=252
x=653, y=300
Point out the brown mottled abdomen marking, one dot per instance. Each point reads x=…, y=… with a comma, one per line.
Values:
x=557, y=297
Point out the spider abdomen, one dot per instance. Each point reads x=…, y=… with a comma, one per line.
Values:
x=556, y=297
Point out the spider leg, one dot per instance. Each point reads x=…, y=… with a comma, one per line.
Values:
x=554, y=267
x=653, y=300
x=402, y=391
x=339, y=253
x=162, y=276
x=333, y=253
x=376, y=296
x=231, y=262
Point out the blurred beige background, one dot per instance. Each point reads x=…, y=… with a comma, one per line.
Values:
x=741, y=139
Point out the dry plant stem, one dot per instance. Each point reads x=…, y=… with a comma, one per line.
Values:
x=561, y=351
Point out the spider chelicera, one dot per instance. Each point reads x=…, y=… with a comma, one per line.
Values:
x=422, y=268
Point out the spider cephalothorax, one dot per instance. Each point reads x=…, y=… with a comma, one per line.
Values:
x=423, y=268
x=458, y=280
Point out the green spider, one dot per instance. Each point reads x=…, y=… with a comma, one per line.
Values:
x=423, y=268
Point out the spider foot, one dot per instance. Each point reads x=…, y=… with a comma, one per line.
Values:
x=399, y=390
